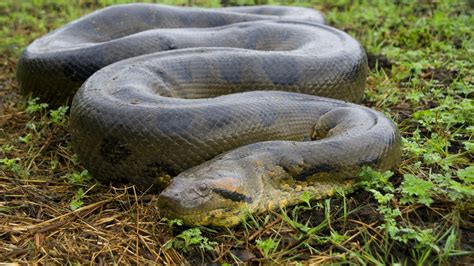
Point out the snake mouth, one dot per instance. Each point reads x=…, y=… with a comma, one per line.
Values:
x=173, y=206
x=199, y=204
x=223, y=216
x=186, y=199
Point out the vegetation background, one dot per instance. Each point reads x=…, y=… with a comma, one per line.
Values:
x=421, y=60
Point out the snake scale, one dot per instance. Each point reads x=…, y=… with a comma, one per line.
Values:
x=232, y=103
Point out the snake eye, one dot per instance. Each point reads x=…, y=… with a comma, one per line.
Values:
x=202, y=189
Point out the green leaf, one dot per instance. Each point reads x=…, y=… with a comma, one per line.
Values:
x=79, y=178
x=76, y=201
x=188, y=238
x=306, y=197
x=413, y=186
x=58, y=116
x=372, y=179
x=469, y=146
x=34, y=106
x=268, y=245
x=466, y=174
x=26, y=139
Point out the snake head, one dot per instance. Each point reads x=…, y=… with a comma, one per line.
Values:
x=214, y=198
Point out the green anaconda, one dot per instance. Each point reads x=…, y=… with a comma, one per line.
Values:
x=222, y=100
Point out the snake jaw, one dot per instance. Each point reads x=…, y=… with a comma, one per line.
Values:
x=207, y=195
x=194, y=200
x=183, y=195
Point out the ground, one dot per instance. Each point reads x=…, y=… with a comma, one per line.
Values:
x=421, y=75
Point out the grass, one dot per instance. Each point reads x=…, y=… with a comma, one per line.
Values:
x=420, y=54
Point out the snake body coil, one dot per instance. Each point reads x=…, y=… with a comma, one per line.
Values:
x=214, y=98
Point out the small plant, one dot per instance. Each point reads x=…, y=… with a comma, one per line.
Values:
x=466, y=174
x=267, y=246
x=172, y=222
x=372, y=179
x=337, y=238
x=390, y=214
x=26, y=139
x=448, y=113
x=76, y=201
x=469, y=146
x=75, y=159
x=79, y=178
x=306, y=197
x=189, y=238
x=33, y=106
x=7, y=148
x=425, y=241
x=58, y=116
x=11, y=165
x=54, y=164
x=415, y=190
x=461, y=190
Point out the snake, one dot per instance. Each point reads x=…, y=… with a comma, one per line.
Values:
x=228, y=112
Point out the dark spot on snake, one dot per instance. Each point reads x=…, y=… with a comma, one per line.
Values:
x=159, y=169
x=218, y=121
x=173, y=123
x=320, y=168
x=371, y=161
x=217, y=20
x=232, y=74
x=281, y=71
x=268, y=119
x=232, y=195
x=186, y=20
x=159, y=174
x=113, y=150
x=166, y=44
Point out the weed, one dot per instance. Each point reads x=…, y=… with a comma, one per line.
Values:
x=76, y=201
x=413, y=186
x=372, y=179
x=26, y=139
x=466, y=174
x=267, y=246
x=11, y=164
x=172, y=222
x=7, y=148
x=58, y=116
x=79, y=178
x=306, y=197
x=34, y=107
x=189, y=238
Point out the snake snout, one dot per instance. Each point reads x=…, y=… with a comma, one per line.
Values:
x=171, y=204
x=168, y=201
x=183, y=196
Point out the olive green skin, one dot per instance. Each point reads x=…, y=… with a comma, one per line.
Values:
x=229, y=111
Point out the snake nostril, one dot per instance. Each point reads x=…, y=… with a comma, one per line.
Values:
x=167, y=201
